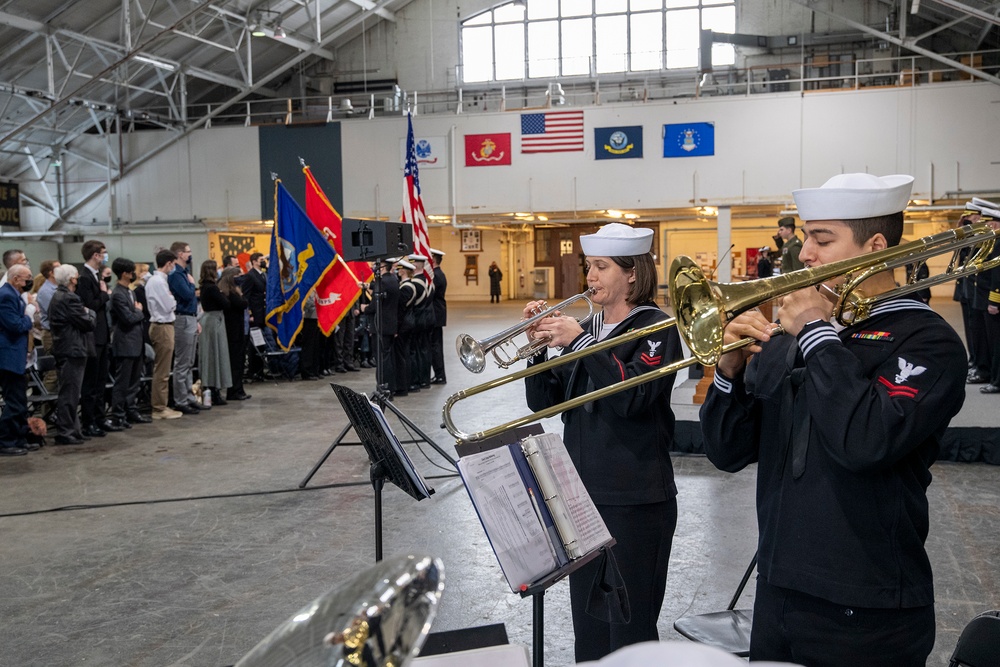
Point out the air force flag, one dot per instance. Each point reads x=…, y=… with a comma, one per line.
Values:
x=689, y=140
x=615, y=143
x=300, y=257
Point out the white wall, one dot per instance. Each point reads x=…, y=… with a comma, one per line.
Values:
x=766, y=146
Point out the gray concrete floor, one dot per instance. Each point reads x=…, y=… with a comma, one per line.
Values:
x=186, y=542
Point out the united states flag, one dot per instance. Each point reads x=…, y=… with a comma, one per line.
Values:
x=552, y=132
x=413, y=205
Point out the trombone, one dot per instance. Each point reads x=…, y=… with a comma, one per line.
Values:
x=472, y=352
x=705, y=307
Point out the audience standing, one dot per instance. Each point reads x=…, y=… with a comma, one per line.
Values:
x=42, y=299
x=94, y=293
x=213, y=349
x=235, y=317
x=255, y=292
x=127, y=346
x=15, y=326
x=186, y=329
x=73, y=327
x=162, y=307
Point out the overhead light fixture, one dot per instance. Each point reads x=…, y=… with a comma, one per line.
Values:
x=279, y=32
x=170, y=67
x=257, y=30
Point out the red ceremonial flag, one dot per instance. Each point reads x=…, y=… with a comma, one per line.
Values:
x=338, y=289
x=487, y=150
x=413, y=205
x=325, y=217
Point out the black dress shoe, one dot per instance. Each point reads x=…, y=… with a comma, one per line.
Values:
x=111, y=426
x=975, y=377
x=351, y=369
x=186, y=409
x=81, y=436
x=237, y=397
x=13, y=451
x=414, y=388
x=989, y=389
x=220, y=401
x=425, y=385
x=94, y=431
x=31, y=446
x=309, y=377
x=439, y=381
x=68, y=440
x=365, y=364
x=138, y=418
x=339, y=369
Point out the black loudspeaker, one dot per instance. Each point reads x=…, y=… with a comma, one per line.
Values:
x=366, y=240
x=465, y=639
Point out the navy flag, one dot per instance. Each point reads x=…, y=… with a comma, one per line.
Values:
x=688, y=140
x=300, y=257
x=615, y=143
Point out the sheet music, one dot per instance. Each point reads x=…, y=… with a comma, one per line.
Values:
x=519, y=540
x=411, y=471
x=553, y=497
x=257, y=337
x=590, y=529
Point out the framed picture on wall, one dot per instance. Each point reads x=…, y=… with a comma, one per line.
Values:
x=472, y=240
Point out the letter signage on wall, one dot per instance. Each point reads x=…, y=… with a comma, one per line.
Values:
x=10, y=205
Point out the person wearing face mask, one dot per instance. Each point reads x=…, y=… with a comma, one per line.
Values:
x=72, y=345
x=254, y=287
x=619, y=444
x=15, y=327
x=96, y=295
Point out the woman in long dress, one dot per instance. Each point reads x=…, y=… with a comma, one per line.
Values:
x=213, y=348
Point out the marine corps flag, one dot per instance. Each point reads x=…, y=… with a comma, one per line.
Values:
x=300, y=260
x=338, y=291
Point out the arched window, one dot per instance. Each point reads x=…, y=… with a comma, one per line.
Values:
x=530, y=39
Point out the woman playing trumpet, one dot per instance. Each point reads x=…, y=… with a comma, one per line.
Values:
x=620, y=444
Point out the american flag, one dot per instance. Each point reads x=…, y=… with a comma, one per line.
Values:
x=413, y=205
x=552, y=132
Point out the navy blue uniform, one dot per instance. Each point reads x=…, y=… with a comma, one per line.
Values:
x=844, y=427
x=620, y=446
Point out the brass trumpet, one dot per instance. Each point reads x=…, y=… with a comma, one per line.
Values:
x=705, y=307
x=473, y=352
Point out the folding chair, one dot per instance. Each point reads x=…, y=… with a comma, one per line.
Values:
x=40, y=396
x=979, y=645
x=277, y=362
x=729, y=629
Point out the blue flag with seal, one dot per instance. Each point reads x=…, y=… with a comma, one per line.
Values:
x=300, y=257
x=689, y=140
x=616, y=143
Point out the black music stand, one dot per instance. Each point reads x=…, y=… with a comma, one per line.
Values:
x=388, y=460
x=535, y=590
x=374, y=240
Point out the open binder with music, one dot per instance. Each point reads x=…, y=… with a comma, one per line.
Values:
x=533, y=506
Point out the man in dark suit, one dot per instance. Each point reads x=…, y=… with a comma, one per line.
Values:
x=72, y=326
x=15, y=326
x=440, y=319
x=126, y=346
x=383, y=312
x=254, y=288
x=95, y=294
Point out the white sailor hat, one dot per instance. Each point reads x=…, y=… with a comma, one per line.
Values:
x=617, y=240
x=417, y=258
x=854, y=196
x=435, y=251
x=406, y=265
x=391, y=260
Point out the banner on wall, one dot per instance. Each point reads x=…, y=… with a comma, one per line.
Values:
x=487, y=150
x=689, y=140
x=616, y=143
x=431, y=152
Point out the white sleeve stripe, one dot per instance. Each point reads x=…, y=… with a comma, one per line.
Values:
x=722, y=384
x=810, y=340
x=585, y=340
